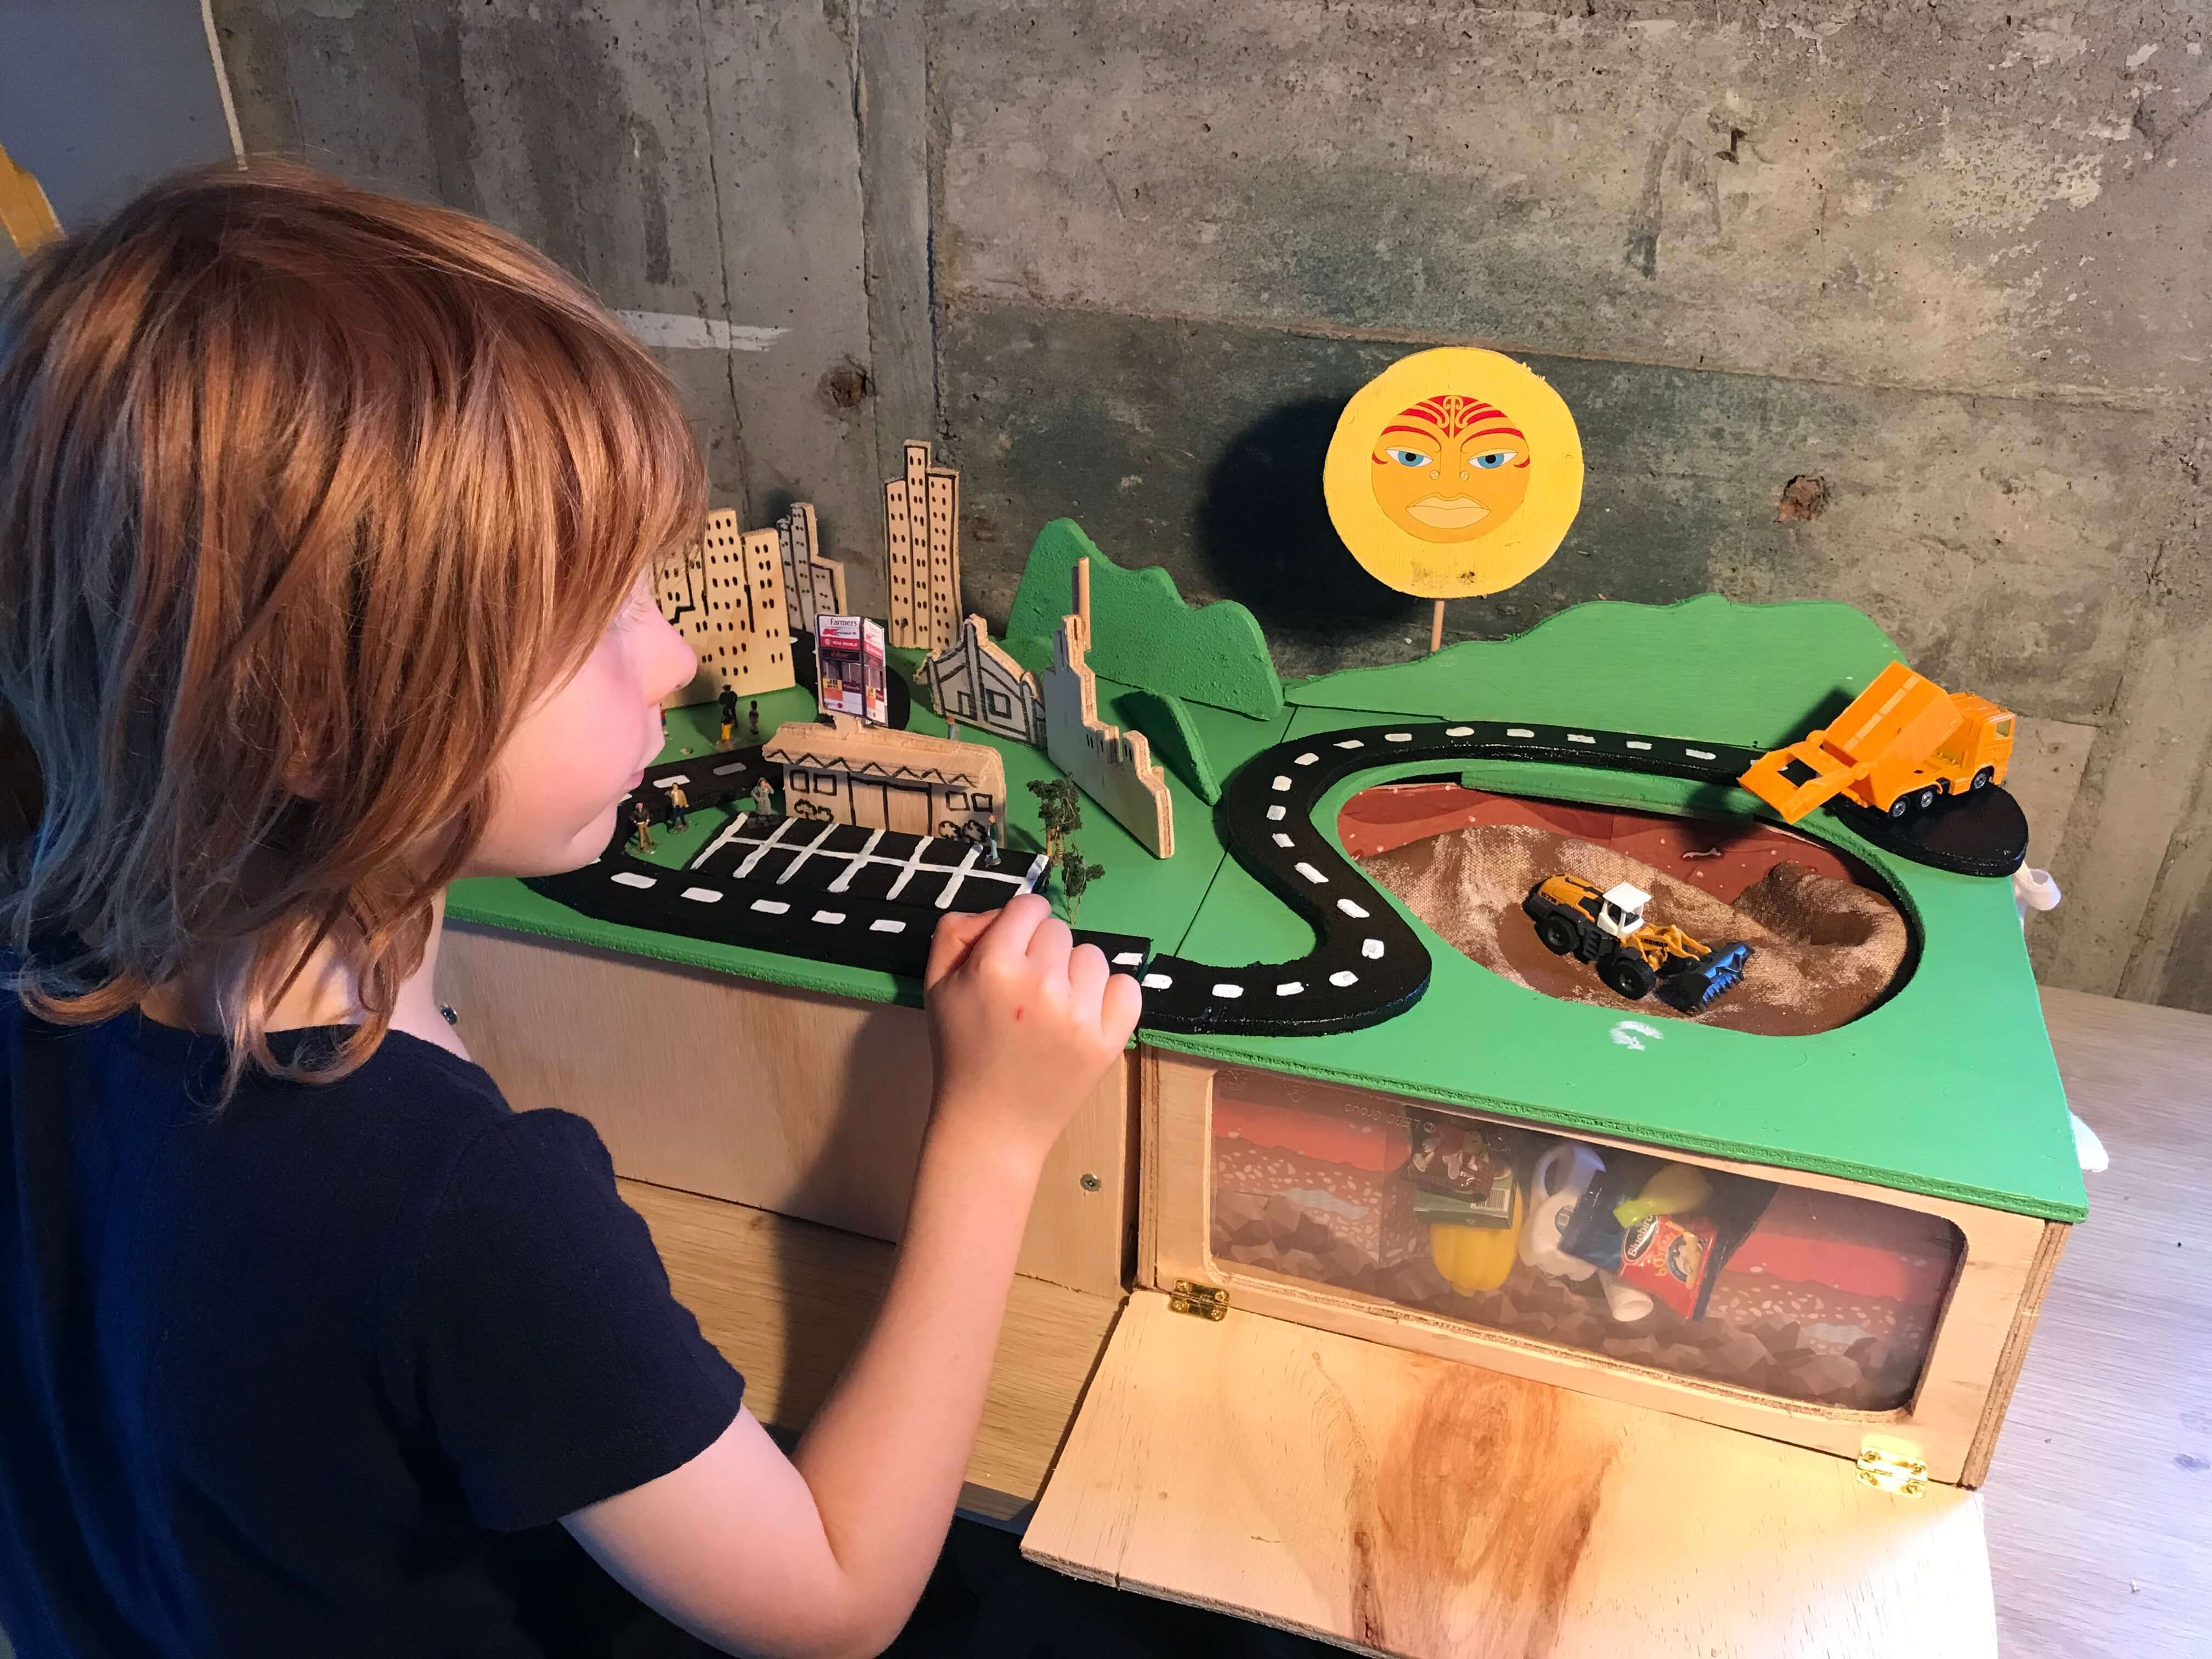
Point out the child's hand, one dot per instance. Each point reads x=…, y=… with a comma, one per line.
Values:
x=1024, y=1023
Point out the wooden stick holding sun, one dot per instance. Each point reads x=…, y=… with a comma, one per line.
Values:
x=1454, y=472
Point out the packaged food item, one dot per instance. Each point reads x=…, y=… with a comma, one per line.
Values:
x=1470, y=1164
x=1672, y=1257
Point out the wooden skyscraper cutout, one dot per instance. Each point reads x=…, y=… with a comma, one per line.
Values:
x=726, y=598
x=812, y=586
x=921, y=542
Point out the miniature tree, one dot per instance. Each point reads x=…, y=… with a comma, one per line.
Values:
x=1059, y=808
x=1076, y=876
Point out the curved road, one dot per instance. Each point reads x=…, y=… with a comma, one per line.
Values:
x=1368, y=963
x=870, y=899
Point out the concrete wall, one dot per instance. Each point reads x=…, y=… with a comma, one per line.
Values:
x=1125, y=260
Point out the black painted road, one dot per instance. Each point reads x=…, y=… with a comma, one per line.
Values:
x=1368, y=962
x=870, y=898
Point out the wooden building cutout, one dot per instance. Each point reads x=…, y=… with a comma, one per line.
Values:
x=882, y=778
x=726, y=597
x=975, y=683
x=1113, y=766
x=812, y=586
x=921, y=543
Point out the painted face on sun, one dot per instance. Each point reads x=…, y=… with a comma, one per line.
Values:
x=1450, y=469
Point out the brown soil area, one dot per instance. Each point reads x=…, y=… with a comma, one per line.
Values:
x=1720, y=859
x=1824, y=949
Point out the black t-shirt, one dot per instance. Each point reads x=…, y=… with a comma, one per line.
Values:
x=317, y=1374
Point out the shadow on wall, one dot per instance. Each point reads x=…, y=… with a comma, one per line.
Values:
x=1264, y=534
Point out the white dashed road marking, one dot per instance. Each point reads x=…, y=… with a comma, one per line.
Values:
x=702, y=896
x=631, y=878
x=1312, y=874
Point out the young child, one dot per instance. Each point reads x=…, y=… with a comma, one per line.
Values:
x=326, y=529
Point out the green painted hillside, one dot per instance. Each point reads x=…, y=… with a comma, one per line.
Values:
x=1142, y=630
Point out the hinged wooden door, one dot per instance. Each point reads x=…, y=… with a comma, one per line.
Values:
x=1408, y=1504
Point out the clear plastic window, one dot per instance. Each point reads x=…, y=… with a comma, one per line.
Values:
x=1802, y=1294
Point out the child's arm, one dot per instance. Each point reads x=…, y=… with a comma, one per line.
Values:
x=827, y=1552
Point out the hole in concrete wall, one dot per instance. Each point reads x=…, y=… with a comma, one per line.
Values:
x=1805, y=496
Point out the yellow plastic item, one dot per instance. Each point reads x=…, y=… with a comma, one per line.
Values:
x=1476, y=1259
x=1671, y=1191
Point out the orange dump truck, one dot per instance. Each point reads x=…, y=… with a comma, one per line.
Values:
x=1904, y=742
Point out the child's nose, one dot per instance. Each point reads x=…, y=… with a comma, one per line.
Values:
x=671, y=664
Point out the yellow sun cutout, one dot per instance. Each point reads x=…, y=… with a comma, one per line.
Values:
x=1453, y=472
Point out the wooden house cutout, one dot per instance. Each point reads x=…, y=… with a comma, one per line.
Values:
x=974, y=683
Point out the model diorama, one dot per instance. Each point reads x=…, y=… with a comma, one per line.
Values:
x=1823, y=1180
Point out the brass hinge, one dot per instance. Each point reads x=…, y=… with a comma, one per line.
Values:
x=1897, y=1472
x=1202, y=1301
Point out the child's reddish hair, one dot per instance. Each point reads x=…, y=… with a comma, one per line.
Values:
x=305, y=494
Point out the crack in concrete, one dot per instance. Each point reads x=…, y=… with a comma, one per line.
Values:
x=721, y=243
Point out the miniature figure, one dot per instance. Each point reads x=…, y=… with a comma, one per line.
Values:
x=1903, y=743
x=641, y=816
x=752, y=722
x=1608, y=929
x=679, y=808
x=729, y=700
x=764, y=797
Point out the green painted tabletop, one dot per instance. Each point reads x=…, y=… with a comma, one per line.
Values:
x=1947, y=1088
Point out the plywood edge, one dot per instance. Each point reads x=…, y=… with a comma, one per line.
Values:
x=2014, y=1353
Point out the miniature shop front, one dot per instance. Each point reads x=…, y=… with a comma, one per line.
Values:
x=1750, y=1124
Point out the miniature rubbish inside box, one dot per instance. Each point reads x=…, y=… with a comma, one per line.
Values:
x=1803, y=1295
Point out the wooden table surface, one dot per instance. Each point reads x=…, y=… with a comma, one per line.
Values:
x=2098, y=1505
